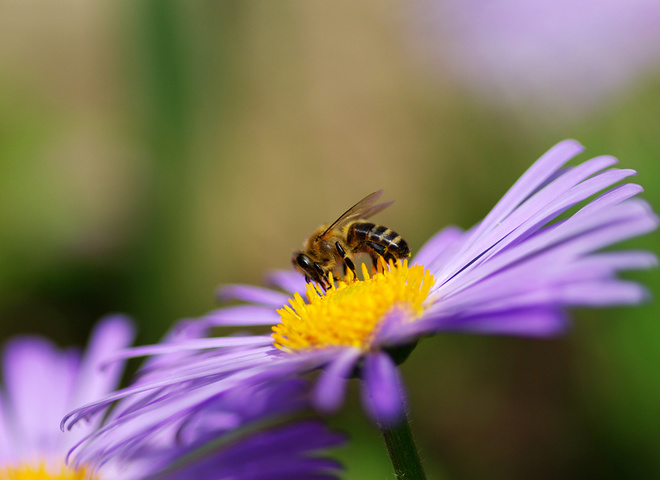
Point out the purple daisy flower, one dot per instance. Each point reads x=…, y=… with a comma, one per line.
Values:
x=42, y=383
x=514, y=273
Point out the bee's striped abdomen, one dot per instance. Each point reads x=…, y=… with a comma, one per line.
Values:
x=370, y=238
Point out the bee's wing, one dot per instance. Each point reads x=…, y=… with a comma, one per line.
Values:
x=363, y=209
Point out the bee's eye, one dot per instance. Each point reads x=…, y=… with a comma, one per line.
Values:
x=304, y=261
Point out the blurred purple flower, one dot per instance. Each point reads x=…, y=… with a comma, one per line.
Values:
x=514, y=273
x=565, y=55
x=41, y=384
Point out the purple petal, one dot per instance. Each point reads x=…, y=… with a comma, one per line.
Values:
x=136, y=424
x=210, y=362
x=609, y=199
x=624, y=260
x=194, y=344
x=34, y=369
x=543, y=206
x=603, y=293
x=210, y=418
x=168, y=408
x=189, y=371
x=8, y=437
x=532, y=179
x=110, y=335
x=389, y=331
x=242, y=315
x=284, y=452
x=556, y=207
x=225, y=371
x=531, y=322
x=382, y=390
x=290, y=281
x=572, y=239
x=438, y=246
x=331, y=386
x=633, y=218
x=252, y=294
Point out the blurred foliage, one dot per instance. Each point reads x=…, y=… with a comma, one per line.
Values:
x=151, y=151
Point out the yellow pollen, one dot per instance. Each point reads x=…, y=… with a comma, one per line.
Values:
x=350, y=312
x=43, y=472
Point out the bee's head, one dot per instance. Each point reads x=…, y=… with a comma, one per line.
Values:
x=308, y=267
x=303, y=263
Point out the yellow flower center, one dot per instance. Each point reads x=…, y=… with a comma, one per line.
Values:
x=42, y=472
x=351, y=311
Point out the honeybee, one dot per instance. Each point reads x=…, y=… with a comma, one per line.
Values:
x=333, y=245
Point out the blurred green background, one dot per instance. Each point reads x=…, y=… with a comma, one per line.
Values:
x=151, y=151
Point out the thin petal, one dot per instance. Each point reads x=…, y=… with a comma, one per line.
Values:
x=389, y=331
x=194, y=344
x=110, y=335
x=7, y=434
x=532, y=179
x=625, y=260
x=242, y=315
x=603, y=293
x=543, y=206
x=290, y=281
x=382, y=390
x=555, y=249
x=252, y=294
x=277, y=453
x=331, y=386
x=437, y=247
x=610, y=198
x=531, y=322
x=227, y=364
x=525, y=225
x=163, y=409
x=33, y=369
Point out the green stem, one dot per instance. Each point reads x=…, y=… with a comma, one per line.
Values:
x=403, y=452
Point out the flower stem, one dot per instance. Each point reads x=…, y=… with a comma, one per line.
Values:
x=403, y=452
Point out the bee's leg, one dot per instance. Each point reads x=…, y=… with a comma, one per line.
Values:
x=378, y=250
x=348, y=263
x=320, y=277
x=308, y=279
